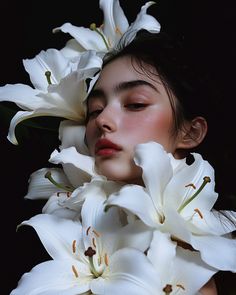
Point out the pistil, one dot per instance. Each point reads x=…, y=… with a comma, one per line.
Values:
x=90, y=252
x=206, y=180
x=93, y=27
x=48, y=76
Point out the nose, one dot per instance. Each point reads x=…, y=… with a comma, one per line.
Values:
x=105, y=121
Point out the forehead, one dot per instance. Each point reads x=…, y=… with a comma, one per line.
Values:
x=125, y=69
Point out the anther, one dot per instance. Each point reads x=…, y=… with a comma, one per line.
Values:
x=74, y=246
x=199, y=213
x=48, y=76
x=87, y=231
x=118, y=31
x=94, y=244
x=75, y=271
x=96, y=233
x=106, y=259
x=180, y=286
x=191, y=184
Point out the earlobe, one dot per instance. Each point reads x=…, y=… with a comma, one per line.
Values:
x=193, y=133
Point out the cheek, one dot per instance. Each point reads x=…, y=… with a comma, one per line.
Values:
x=156, y=127
x=90, y=137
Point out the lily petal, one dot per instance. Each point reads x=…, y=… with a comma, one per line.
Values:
x=217, y=251
x=115, y=21
x=156, y=174
x=56, y=234
x=51, y=60
x=136, y=200
x=88, y=39
x=40, y=188
x=130, y=273
x=52, y=278
x=73, y=134
x=78, y=168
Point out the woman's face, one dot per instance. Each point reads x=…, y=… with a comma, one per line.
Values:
x=126, y=108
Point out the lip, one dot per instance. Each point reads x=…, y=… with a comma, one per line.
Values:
x=105, y=147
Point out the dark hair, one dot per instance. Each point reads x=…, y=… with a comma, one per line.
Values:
x=175, y=69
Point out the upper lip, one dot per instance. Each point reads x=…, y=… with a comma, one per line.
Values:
x=104, y=143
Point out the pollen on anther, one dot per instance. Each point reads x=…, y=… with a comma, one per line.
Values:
x=87, y=231
x=106, y=259
x=74, y=246
x=96, y=233
x=191, y=184
x=199, y=213
x=180, y=286
x=75, y=271
x=118, y=31
x=94, y=244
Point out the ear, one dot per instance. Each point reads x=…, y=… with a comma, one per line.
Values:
x=192, y=134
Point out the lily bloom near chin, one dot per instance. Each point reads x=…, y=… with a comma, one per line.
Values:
x=115, y=25
x=59, y=87
x=178, y=199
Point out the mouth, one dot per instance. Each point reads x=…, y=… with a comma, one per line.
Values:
x=105, y=147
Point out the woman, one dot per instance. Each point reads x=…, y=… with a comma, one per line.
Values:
x=146, y=91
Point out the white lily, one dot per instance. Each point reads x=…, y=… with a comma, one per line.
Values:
x=87, y=260
x=59, y=90
x=115, y=25
x=180, y=271
x=180, y=201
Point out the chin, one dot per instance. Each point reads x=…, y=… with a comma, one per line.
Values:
x=119, y=171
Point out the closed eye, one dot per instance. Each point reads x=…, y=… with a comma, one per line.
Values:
x=93, y=114
x=135, y=106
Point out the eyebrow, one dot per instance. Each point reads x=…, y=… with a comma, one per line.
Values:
x=127, y=85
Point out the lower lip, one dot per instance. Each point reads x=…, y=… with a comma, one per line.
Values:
x=107, y=152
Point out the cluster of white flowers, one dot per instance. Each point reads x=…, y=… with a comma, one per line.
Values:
x=106, y=237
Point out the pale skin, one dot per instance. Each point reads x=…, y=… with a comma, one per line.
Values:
x=128, y=107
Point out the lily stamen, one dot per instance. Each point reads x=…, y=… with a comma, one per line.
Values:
x=96, y=233
x=198, y=212
x=87, y=231
x=93, y=242
x=48, y=76
x=48, y=175
x=190, y=184
x=74, y=246
x=180, y=286
x=118, y=31
x=106, y=259
x=206, y=179
x=75, y=271
x=93, y=27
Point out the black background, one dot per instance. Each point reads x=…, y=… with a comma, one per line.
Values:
x=208, y=28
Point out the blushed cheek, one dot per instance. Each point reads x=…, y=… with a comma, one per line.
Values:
x=152, y=128
x=89, y=135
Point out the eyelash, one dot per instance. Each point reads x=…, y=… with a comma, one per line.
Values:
x=94, y=113
x=135, y=106
x=130, y=106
